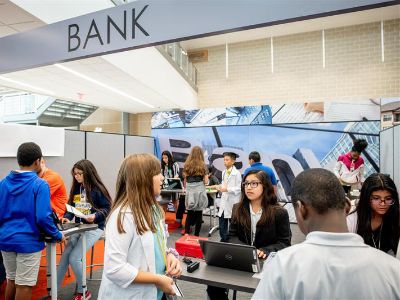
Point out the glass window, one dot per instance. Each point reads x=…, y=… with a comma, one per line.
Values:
x=387, y=117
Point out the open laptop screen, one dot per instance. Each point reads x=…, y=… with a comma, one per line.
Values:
x=231, y=256
x=174, y=184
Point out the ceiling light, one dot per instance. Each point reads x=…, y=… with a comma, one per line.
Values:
x=47, y=92
x=103, y=85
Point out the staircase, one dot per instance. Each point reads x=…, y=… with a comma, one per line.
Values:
x=24, y=109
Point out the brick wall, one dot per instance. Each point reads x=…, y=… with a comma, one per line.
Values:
x=353, y=68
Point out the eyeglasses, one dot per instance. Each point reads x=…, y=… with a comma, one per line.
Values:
x=78, y=174
x=252, y=184
x=379, y=200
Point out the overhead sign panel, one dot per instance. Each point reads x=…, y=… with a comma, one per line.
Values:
x=144, y=23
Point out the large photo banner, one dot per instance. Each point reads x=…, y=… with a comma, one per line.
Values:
x=339, y=110
x=288, y=149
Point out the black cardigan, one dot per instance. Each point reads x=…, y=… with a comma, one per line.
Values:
x=268, y=238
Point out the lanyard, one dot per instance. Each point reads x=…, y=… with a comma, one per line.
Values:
x=160, y=237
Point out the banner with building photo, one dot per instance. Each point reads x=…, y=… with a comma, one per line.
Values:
x=335, y=110
x=311, y=112
x=390, y=112
x=239, y=115
x=287, y=149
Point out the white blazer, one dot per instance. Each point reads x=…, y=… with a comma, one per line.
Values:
x=232, y=196
x=125, y=255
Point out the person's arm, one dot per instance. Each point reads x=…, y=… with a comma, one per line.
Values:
x=271, y=285
x=43, y=212
x=362, y=171
x=274, y=182
x=103, y=208
x=57, y=185
x=236, y=188
x=336, y=169
x=175, y=167
x=206, y=180
x=283, y=233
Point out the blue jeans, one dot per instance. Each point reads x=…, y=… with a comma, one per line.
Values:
x=224, y=228
x=72, y=255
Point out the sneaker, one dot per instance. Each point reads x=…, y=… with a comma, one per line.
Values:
x=79, y=296
x=183, y=232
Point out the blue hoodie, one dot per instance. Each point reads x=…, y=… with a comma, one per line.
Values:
x=25, y=213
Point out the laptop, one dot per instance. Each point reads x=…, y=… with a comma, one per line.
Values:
x=60, y=226
x=231, y=256
x=173, y=184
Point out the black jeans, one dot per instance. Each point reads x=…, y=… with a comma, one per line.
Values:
x=2, y=270
x=224, y=228
x=181, y=208
x=194, y=217
x=217, y=293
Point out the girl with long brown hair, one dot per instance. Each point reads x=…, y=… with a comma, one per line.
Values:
x=257, y=220
x=90, y=196
x=195, y=174
x=137, y=263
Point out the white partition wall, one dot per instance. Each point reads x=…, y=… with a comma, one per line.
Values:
x=396, y=156
x=106, y=152
x=74, y=151
x=138, y=144
x=390, y=153
x=386, y=151
x=6, y=165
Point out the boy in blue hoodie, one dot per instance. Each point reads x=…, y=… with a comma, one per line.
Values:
x=25, y=216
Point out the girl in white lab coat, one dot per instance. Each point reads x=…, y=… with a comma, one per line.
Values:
x=137, y=263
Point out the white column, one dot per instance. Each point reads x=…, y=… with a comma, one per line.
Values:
x=226, y=61
x=323, y=48
x=272, y=54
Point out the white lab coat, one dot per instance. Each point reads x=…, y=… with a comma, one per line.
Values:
x=330, y=266
x=232, y=196
x=125, y=255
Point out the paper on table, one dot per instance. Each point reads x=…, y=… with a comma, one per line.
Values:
x=76, y=212
x=177, y=290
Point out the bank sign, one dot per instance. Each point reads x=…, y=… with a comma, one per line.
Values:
x=145, y=23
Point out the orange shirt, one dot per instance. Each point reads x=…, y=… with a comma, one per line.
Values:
x=58, y=192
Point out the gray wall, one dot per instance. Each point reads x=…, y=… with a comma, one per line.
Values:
x=106, y=151
x=390, y=153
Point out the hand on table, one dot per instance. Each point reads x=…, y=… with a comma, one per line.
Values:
x=63, y=238
x=261, y=254
x=90, y=218
x=173, y=266
x=65, y=220
x=165, y=283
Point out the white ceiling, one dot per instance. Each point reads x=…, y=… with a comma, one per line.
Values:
x=13, y=19
x=140, y=74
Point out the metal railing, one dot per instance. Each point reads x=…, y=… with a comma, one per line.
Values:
x=181, y=59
